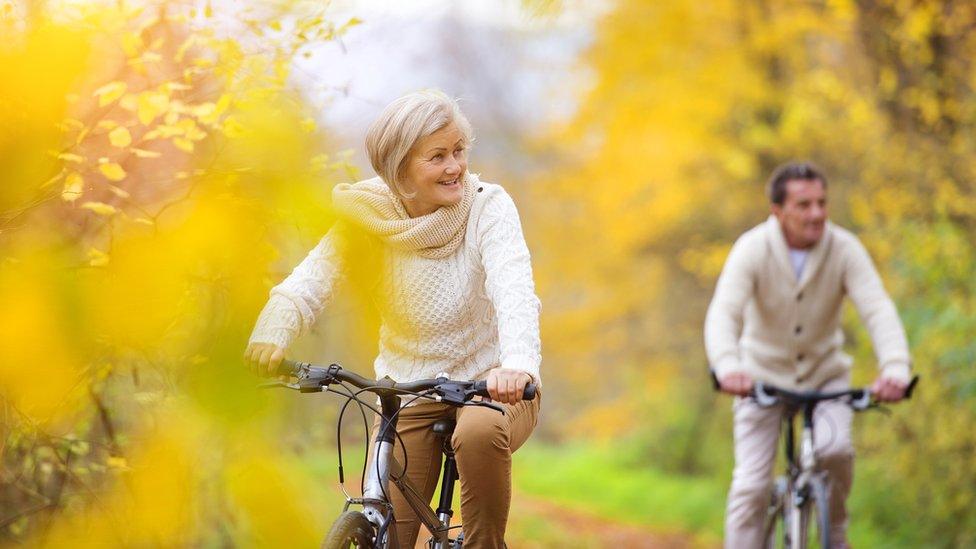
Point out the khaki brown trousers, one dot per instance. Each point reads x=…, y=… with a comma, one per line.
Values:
x=483, y=442
x=757, y=434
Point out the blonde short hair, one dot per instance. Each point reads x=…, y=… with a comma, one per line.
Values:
x=404, y=122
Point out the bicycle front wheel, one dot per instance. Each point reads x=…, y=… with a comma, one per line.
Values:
x=351, y=529
x=815, y=517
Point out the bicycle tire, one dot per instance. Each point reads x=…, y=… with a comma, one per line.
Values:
x=351, y=529
x=821, y=507
x=816, y=507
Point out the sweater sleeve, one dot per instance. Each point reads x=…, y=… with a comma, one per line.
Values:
x=877, y=312
x=508, y=282
x=297, y=301
x=724, y=319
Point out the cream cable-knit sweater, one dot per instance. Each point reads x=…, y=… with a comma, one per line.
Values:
x=462, y=315
x=765, y=322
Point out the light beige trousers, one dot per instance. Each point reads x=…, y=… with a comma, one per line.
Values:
x=757, y=439
x=483, y=441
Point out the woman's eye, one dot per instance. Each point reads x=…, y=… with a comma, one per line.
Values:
x=437, y=156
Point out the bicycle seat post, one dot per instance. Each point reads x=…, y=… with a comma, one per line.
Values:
x=445, y=429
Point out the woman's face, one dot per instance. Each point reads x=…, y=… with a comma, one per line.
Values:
x=435, y=171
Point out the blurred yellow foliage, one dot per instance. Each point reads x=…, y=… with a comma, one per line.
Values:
x=691, y=106
x=142, y=199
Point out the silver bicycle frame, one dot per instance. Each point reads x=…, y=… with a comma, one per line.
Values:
x=376, y=506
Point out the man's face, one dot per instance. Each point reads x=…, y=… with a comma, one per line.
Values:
x=803, y=214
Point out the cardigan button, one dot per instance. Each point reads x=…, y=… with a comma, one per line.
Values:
x=480, y=189
x=799, y=296
x=798, y=330
x=799, y=357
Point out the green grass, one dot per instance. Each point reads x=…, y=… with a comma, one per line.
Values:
x=599, y=481
x=613, y=484
x=609, y=483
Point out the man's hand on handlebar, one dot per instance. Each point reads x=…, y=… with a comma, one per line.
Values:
x=736, y=383
x=506, y=385
x=264, y=358
x=888, y=389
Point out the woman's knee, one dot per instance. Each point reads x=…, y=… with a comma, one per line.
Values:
x=481, y=434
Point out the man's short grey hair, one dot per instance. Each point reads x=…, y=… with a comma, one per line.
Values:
x=404, y=122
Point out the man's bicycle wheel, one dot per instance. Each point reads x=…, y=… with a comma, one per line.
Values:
x=777, y=515
x=815, y=516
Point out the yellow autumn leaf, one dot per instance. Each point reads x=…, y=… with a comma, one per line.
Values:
x=97, y=258
x=308, y=125
x=74, y=186
x=151, y=105
x=118, y=191
x=176, y=86
x=203, y=110
x=110, y=92
x=352, y=22
x=142, y=153
x=186, y=45
x=112, y=171
x=71, y=157
x=120, y=137
x=117, y=462
x=72, y=124
x=232, y=128
x=183, y=144
x=129, y=102
x=190, y=130
x=100, y=208
x=131, y=44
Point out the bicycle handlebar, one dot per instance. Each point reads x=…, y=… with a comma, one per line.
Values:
x=312, y=378
x=768, y=395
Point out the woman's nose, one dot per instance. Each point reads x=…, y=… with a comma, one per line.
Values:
x=453, y=166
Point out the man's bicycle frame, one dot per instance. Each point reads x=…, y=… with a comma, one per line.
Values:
x=375, y=525
x=803, y=491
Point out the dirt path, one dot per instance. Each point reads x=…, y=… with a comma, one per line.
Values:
x=537, y=523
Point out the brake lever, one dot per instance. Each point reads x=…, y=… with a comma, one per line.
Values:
x=878, y=407
x=486, y=405
x=279, y=383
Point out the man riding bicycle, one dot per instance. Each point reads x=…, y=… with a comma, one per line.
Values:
x=775, y=318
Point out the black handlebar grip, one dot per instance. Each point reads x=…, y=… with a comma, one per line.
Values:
x=911, y=387
x=715, y=384
x=481, y=387
x=286, y=368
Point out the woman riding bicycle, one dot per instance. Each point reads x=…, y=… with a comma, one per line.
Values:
x=455, y=296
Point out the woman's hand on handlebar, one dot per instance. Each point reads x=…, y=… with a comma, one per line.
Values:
x=263, y=358
x=506, y=385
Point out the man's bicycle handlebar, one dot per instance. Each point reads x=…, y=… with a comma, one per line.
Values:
x=313, y=379
x=768, y=395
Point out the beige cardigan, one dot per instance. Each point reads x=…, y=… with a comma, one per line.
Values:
x=784, y=331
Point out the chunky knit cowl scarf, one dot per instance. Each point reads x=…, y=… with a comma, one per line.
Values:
x=372, y=206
